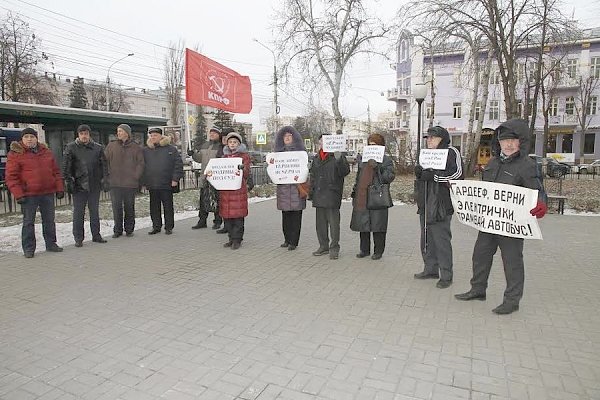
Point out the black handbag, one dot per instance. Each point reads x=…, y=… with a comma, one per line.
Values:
x=378, y=195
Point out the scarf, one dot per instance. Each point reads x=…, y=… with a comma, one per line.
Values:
x=365, y=179
x=323, y=155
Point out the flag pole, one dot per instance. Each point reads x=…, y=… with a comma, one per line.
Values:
x=187, y=126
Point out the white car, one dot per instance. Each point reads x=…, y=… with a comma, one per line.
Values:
x=593, y=167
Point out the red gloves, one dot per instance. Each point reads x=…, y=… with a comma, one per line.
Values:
x=539, y=210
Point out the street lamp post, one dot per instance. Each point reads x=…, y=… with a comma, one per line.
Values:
x=419, y=93
x=275, y=105
x=108, y=79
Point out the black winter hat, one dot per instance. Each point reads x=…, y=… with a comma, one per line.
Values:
x=436, y=131
x=155, y=130
x=504, y=133
x=29, y=131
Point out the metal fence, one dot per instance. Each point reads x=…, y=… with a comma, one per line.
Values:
x=190, y=181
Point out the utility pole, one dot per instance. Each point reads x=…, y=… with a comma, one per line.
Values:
x=275, y=103
x=108, y=80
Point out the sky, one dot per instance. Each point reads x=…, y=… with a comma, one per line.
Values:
x=83, y=38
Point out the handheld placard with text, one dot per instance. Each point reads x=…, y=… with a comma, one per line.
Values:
x=287, y=167
x=373, y=152
x=333, y=143
x=496, y=208
x=223, y=173
x=433, y=158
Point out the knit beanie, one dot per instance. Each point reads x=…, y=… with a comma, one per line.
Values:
x=29, y=131
x=126, y=128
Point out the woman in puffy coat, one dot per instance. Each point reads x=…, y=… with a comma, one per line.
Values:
x=364, y=220
x=289, y=200
x=233, y=204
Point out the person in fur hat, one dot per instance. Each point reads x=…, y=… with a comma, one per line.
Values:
x=33, y=178
x=233, y=204
x=289, y=200
x=213, y=148
x=125, y=160
x=163, y=168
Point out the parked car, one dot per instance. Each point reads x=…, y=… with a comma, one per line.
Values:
x=588, y=168
x=555, y=168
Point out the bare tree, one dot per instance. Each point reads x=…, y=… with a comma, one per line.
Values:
x=20, y=55
x=96, y=94
x=323, y=37
x=583, y=105
x=173, y=75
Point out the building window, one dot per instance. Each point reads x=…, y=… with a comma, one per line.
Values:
x=519, y=107
x=164, y=111
x=567, y=143
x=428, y=111
x=457, y=111
x=457, y=141
x=553, y=109
x=588, y=144
x=477, y=111
x=494, y=113
x=520, y=72
x=570, y=105
x=595, y=67
x=551, y=143
x=592, y=105
x=495, y=78
x=572, y=68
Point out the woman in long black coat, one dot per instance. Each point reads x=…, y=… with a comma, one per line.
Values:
x=364, y=220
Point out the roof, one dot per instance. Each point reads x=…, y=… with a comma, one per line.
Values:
x=39, y=113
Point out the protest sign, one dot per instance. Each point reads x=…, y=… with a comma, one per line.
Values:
x=223, y=173
x=333, y=143
x=287, y=167
x=373, y=153
x=496, y=208
x=433, y=158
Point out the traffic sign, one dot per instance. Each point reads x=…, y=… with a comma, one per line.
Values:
x=261, y=138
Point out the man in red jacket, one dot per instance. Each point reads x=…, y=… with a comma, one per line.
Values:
x=33, y=178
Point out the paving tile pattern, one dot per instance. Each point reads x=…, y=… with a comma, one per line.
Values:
x=181, y=317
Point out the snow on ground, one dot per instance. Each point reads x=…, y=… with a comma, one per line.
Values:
x=10, y=236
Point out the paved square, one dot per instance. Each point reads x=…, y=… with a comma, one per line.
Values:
x=181, y=317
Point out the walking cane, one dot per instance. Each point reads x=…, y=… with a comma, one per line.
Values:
x=425, y=220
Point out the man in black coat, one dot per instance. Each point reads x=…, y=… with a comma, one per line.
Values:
x=435, y=209
x=510, y=165
x=85, y=171
x=163, y=168
x=326, y=186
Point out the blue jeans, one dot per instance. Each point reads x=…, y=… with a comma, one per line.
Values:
x=46, y=205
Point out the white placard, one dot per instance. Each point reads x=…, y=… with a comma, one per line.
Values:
x=433, y=158
x=333, y=143
x=286, y=167
x=562, y=157
x=223, y=173
x=496, y=208
x=373, y=153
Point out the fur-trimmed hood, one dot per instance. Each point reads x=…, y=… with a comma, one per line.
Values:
x=19, y=148
x=164, y=141
x=241, y=149
x=297, y=144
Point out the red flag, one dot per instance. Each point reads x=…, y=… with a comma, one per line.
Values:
x=209, y=83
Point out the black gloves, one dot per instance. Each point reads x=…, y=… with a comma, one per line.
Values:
x=241, y=166
x=60, y=195
x=22, y=200
x=105, y=186
x=190, y=152
x=426, y=175
x=418, y=171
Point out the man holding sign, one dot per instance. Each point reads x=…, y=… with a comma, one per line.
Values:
x=510, y=165
x=434, y=206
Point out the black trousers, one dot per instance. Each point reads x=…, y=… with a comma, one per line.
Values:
x=46, y=205
x=235, y=229
x=437, y=257
x=123, y=201
x=164, y=198
x=378, y=242
x=291, y=222
x=203, y=214
x=328, y=220
x=511, y=250
x=80, y=201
